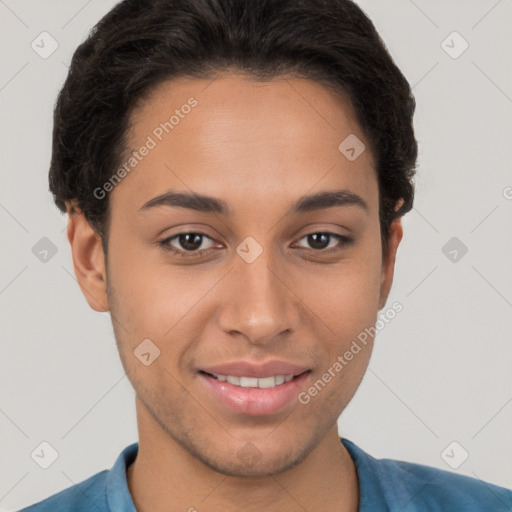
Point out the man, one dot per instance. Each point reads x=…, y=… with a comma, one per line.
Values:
x=235, y=174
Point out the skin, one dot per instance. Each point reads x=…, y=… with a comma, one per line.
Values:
x=260, y=146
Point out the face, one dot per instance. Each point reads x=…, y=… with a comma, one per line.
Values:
x=251, y=278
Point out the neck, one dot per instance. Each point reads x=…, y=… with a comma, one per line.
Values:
x=166, y=477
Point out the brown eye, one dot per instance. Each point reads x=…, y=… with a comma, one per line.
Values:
x=321, y=241
x=190, y=242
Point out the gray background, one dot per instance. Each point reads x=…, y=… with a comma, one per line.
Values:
x=441, y=369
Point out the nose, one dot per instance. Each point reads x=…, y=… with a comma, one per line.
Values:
x=259, y=304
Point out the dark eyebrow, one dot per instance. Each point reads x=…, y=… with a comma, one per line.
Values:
x=329, y=199
x=197, y=202
x=208, y=204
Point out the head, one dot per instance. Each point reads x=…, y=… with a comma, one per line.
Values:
x=281, y=132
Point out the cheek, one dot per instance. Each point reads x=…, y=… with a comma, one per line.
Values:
x=155, y=300
x=344, y=296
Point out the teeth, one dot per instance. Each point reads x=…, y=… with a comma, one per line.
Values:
x=254, y=382
x=249, y=382
x=266, y=382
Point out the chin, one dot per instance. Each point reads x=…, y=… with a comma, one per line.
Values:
x=251, y=462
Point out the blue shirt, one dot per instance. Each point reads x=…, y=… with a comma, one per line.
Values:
x=385, y=485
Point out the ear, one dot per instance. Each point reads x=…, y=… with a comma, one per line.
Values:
x=388, y=262
x=88, y=258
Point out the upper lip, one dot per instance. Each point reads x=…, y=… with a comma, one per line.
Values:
x=253, y=369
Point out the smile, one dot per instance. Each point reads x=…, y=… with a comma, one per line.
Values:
x=254, y=382
x=246, y=395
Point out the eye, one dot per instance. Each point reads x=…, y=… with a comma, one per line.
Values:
x=190, y=242
x=320, y=241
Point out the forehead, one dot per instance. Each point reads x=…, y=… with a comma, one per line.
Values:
x=232, y=136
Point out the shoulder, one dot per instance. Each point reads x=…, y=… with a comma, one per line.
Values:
x=411, y=487
x=82, y=497
x=102, y=492
x=420, y=487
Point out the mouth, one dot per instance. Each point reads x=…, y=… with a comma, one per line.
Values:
x=255, y=382
x=250, y=395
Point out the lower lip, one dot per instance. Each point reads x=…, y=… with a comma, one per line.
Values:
x=255, y=401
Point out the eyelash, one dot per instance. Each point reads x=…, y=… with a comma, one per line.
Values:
x=343, y=242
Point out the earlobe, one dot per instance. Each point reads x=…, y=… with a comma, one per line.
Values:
x=388, y=263
x=88, y=259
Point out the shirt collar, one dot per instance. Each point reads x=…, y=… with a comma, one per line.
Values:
x=371, y=494
x=118, y=494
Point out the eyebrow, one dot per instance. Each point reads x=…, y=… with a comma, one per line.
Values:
x=208, y=204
